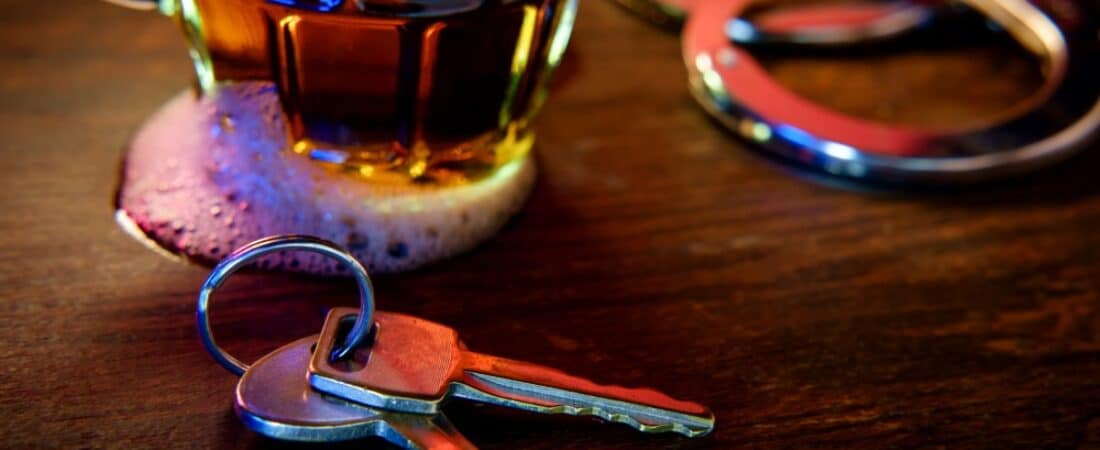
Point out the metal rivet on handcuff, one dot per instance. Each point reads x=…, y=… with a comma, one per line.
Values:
x=1055, y=123
x=242, y=256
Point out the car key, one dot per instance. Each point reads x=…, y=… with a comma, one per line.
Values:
x=274, y=399
x=413, y=365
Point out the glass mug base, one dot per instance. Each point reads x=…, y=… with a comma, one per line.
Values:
x=208, y=173
x=444, y=164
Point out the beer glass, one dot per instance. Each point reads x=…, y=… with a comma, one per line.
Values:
x=424, y=91
x=400, y=129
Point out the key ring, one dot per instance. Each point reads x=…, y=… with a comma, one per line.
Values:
x=249, y=252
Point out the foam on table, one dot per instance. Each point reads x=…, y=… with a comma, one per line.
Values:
x=207, y=174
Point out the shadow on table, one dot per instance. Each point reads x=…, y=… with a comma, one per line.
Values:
x=1066, y=182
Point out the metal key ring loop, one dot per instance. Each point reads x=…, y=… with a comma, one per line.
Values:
x=249, y=252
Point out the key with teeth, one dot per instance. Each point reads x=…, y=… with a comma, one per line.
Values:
x=274, y=399
x=413, y=365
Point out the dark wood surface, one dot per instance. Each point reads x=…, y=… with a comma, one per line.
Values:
x=655, y=251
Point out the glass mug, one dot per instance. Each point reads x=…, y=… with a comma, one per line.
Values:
x=424, y=91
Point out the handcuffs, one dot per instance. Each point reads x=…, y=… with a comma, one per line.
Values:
x=1057, y=121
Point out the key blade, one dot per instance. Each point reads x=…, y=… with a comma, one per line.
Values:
x=531, y=387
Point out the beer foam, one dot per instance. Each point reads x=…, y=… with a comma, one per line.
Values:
x=208, y=174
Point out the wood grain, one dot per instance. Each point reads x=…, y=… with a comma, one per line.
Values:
x=657, y=251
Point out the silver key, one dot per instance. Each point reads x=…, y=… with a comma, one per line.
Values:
x=273, y=395
x=274, y=399
x=413, y=365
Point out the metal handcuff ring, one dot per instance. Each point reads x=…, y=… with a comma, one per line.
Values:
x=360, y=331
x=734, y=88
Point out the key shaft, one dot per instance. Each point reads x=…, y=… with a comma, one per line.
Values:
x=532, y=387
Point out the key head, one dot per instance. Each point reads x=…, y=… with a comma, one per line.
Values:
x=407, y=367
x=274, y=399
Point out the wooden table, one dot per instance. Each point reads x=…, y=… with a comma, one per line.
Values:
x=657, y=250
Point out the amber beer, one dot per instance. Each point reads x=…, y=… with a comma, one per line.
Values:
x=433, y=90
